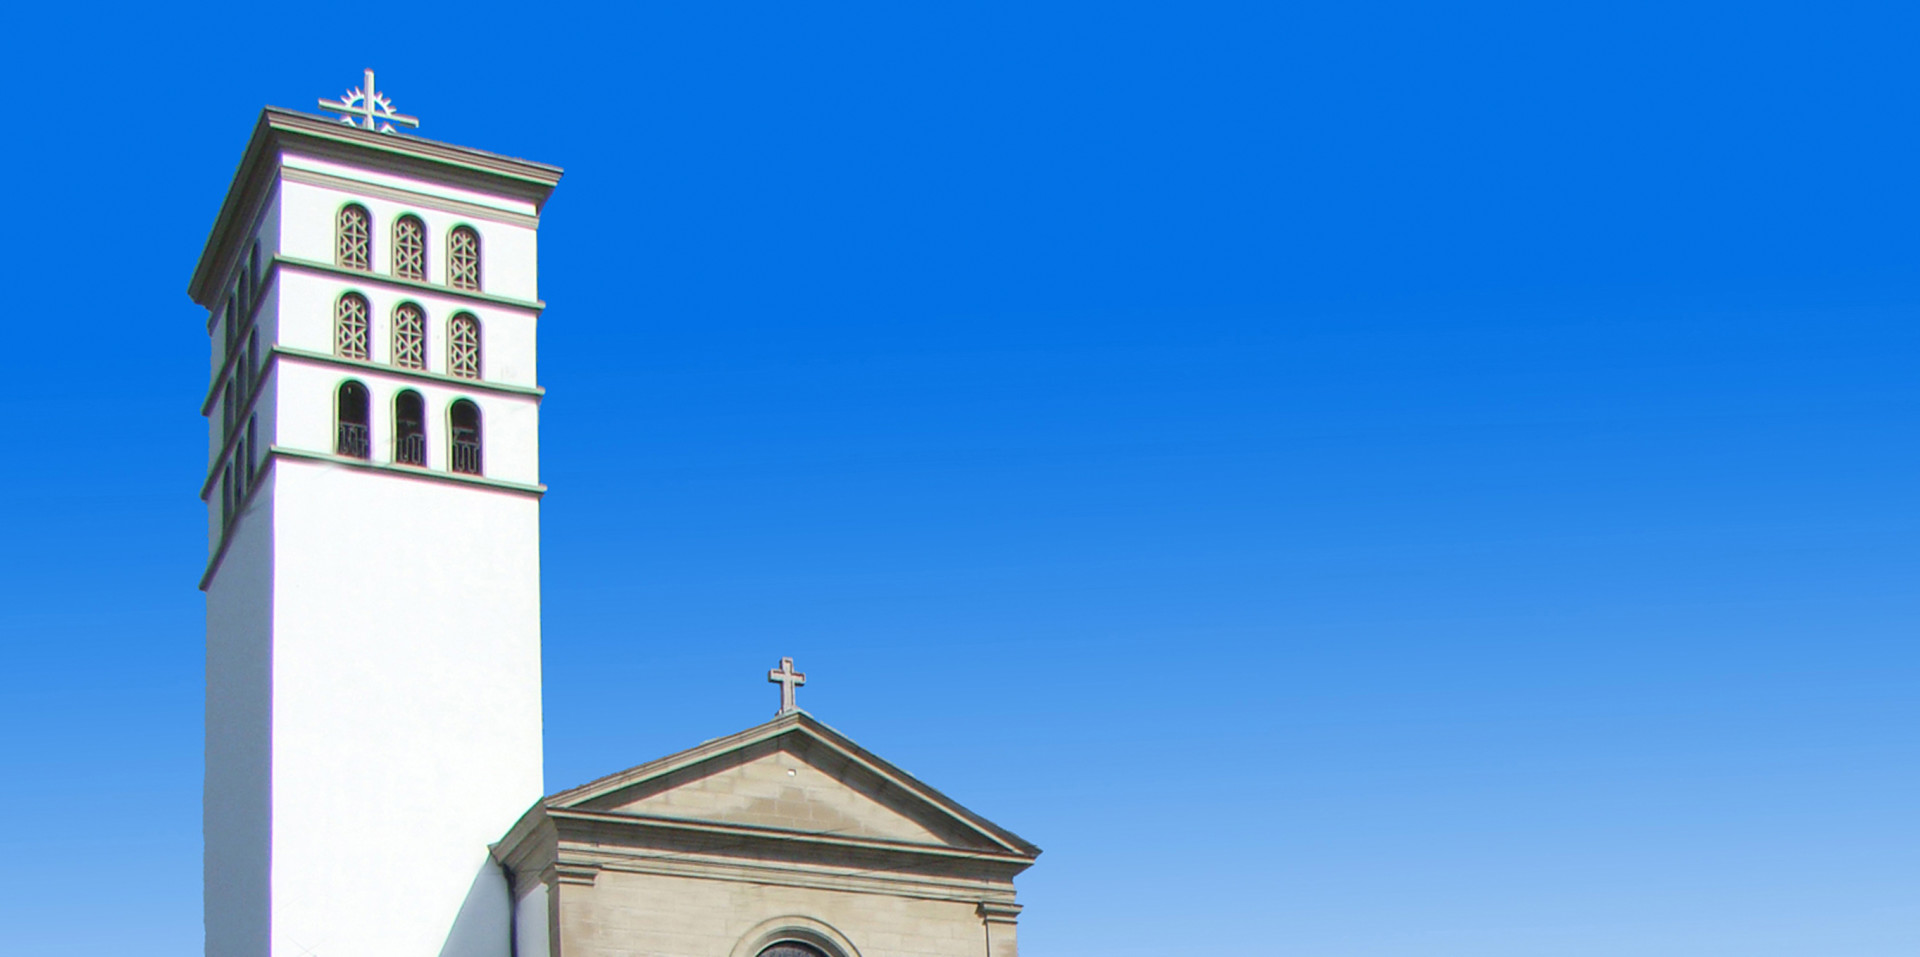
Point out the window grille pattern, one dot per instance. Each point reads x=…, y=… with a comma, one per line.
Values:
x=409, y=248
x=465, y=419
x=409, y=336
x=409, y=428
x=463, y=346
x=463, y=258
x=353, y=237
x=351, y=403
x=350, y=326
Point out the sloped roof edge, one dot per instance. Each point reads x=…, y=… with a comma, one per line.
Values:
x=507, y=175
x=801, y=723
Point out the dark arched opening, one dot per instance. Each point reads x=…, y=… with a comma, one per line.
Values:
x=351, y=411
x=792, y=948
x=409, y=428
x=465, y=421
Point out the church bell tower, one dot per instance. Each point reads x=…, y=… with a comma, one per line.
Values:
x=373, y=529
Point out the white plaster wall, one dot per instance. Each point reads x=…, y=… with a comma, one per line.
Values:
x=509, y=251
x=406, y=707
x=507, y=347
x=530, y=925
x=264, y=412
x=266, y=233
x=269, y=326
x=509, y=423
x=296, y=160
x=374, y=641
x=266, y=317
x=236, y=806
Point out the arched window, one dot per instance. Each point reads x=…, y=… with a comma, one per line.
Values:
x=463, y=346
x=351, y=410
x=409, y=336
x=410, y=248
x=350, y=326
x=353, y=237
x=792, y=948
x=409, y=428
x=463, y=258
x=464, y=417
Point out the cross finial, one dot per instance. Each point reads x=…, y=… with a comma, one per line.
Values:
x=787, y=679
x=366, y=107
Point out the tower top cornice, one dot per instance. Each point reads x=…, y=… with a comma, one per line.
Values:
x=279, y=130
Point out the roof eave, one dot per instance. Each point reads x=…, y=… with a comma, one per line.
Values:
x=277, y=127
x=791, y=722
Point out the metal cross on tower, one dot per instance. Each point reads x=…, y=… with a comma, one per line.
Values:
x=366, y=107
x=787, y=679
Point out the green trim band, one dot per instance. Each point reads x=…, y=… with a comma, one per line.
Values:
x=405, y=197
x=233, y=522
x=475, y=385
x=534, y=306
x=269, y=368
x=408, y=471
x=273, y=276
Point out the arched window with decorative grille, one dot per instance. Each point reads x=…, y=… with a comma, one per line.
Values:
x=353, y=237
x=350, y=405
x=350, y=326
x=410, y=248
x=409, y=428
x=464, y=418
x=463, y=346
x=463, y=258
x=409, y=336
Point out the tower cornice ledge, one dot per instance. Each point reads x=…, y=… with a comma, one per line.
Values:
x=281, y=129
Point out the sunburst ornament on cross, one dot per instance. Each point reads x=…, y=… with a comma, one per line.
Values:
x=368, y=108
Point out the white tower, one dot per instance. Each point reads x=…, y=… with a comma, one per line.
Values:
x=373, y=503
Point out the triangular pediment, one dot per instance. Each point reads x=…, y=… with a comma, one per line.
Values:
x=796, y=775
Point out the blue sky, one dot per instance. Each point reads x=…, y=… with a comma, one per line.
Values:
x=1358, y=479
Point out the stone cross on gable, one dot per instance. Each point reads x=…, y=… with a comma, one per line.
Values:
x=368, y=108
x=787, y=679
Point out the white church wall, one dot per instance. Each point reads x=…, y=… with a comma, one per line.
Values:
x=237, y=805
x=509, y=423
x=530, y=925
x=373, y=640
x=507, y=344
x=264, y=235
x=509, y=259
x=406, y=706
x=385, y=179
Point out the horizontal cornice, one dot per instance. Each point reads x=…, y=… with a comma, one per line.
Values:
x=379, y=368
x=272, y=278
x=279, y=129
x=406, y=197
x=279, y=452
x=750, y=832
x=808, y=727
x=583, y=864
x=370, y=369
x=533, y=306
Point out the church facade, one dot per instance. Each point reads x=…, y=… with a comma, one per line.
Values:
x=374, y=780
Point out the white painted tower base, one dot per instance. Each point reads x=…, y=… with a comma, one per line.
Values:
x=373, y=625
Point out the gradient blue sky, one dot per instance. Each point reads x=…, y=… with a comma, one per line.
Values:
x=1346, y=479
